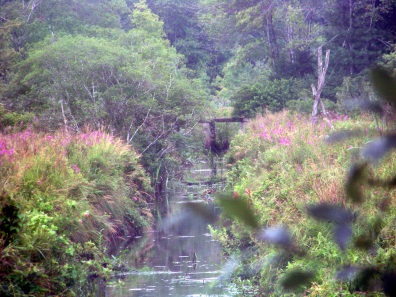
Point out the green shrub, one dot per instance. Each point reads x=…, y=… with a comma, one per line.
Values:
x=254, y=99
x=14, y=119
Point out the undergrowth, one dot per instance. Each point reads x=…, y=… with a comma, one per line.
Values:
x=64, y=199
x=281, y=164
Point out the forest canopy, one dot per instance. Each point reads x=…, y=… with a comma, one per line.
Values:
x=149, y=70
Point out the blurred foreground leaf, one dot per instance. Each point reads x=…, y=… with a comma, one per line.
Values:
x=355, y=179
x=342, y=234
x=238, y=209
x=294, y=279
x=375, y=150
x=229, y=268
x=363, y=242
x=366, y=277
x=330, y=213
x=389, y=283
x=367, y=105
x=202, y=211
x=342, y=135
x=384, y=84
x=347, y=273
x=277, y=235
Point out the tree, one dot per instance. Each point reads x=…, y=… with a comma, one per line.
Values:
x=358, y=32
x=23, y=23
x=321, y=81
x=188, y=33
x=132, y=82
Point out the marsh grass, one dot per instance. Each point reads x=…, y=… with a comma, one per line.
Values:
x=74, y=195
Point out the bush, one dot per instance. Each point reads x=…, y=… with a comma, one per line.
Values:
x=14, y=119
x=250, y=100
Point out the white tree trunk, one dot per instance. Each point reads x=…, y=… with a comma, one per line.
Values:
x=321, y=80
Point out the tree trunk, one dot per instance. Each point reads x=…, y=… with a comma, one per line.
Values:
x=321, y=79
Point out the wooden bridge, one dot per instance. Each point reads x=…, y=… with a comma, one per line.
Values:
x=209, y=129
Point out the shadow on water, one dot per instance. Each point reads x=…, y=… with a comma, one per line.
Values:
x=179, y=257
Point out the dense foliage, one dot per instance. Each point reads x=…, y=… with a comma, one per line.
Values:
x=148, y=77
x=96, y=72
x=146, y=71
x=272, y=40
x=281, y=168
x=65, y=199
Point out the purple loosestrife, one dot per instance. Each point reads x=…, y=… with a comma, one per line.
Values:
x=284, y=141
x=5, y=151
x=76, y=168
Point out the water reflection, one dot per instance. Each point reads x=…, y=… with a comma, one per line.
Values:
x=179, y=258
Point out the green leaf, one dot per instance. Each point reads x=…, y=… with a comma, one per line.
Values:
x=238, y=209
x=384, y=84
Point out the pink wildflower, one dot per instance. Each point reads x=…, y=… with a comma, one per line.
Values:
x=284, y=141
x=76, y=168
x=4, y=151
x=26, y=135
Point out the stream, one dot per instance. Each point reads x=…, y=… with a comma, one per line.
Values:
x=179, y=257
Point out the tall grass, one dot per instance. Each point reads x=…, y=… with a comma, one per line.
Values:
x=282, y=163
x=64, y=200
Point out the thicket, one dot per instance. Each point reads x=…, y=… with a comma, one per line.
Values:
x=64, y=200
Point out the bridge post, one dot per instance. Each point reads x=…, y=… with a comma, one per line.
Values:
x=209, y=129
x=212, y=132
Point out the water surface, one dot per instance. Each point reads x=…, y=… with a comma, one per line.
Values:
x=180, y=257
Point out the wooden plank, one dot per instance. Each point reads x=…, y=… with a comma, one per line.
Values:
x=224, y=120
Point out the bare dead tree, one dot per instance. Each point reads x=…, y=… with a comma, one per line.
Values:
x=321, y=80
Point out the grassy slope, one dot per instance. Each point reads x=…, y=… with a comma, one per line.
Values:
x=63, y=200
x=281, y=164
